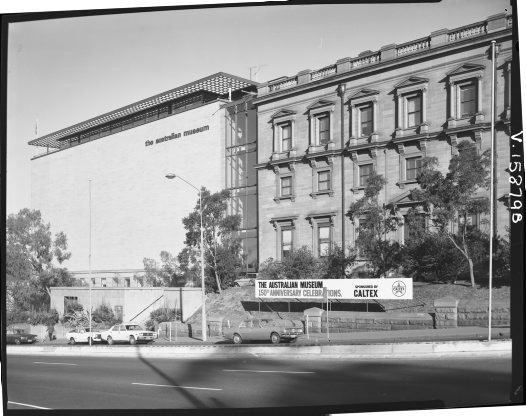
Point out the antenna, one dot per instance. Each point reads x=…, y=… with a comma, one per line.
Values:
x=258, y=68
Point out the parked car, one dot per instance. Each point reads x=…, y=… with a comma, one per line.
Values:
x=19, y=336
x=83, y=335
x=128, y=332
x=263, y=330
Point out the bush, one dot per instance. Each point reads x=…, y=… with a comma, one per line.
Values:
x=162, y=315
x=45, y=318
x=104, y=316
x=300, y=264
x=337, y=264
x=432, y=257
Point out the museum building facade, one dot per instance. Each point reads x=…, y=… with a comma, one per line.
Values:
x=106, y=176
x=322, y=133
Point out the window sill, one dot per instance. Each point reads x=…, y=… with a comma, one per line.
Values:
x=465, y=120
x=278, y=199
x=314, y=195
x=355, y=189
x=401, y=184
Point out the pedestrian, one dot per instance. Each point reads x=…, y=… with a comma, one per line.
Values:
x=50, y=330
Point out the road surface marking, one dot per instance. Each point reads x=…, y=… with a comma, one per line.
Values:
x=29, y=405
x=275, y=371
x=42, y=362
x=175, y=387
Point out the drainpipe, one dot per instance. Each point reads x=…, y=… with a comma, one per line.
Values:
x=341, y=93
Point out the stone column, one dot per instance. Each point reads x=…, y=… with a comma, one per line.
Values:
x=446, y=312
x=314, y=315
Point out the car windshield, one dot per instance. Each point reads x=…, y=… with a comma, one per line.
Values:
x=133, y=327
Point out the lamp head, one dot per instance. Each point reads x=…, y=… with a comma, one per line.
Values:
x=171, y=175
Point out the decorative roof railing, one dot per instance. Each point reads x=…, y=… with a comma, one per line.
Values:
x=289, y=82
x=324, y=72
x=501, y=21
x=467, y=31
x=414, y=46
x=365, y=60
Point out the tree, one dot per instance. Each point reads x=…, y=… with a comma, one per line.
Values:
x=166, y=274
x=222, y=246
x=456, y=195
x=31, y=260
x=375, y=223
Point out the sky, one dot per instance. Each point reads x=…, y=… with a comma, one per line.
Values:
x=64, y=71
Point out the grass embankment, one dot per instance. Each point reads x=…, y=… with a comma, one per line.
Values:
x=238, y=303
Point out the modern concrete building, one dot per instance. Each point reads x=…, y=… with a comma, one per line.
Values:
x=129, y=303
x=321, y=133
x=203, y=131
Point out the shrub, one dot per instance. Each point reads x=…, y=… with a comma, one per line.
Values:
x=337, y=264
x=300, y=264
x=162, y=315
x=104, y=316
x=432, y=256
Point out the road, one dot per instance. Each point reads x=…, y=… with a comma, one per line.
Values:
x=121, y=383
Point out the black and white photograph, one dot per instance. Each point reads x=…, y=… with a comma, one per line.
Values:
x=262, y=208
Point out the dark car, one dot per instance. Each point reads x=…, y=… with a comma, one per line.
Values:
x=19, y=336
x=263, y=330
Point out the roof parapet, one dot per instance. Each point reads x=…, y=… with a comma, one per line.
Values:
x=494, y=23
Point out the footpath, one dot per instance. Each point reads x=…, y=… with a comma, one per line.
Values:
x=463, y=341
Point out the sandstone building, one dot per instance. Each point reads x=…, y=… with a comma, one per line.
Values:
x=322, y=132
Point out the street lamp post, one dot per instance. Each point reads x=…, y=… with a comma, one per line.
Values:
x=203, y=294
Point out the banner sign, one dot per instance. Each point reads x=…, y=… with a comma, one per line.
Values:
x=389, y=288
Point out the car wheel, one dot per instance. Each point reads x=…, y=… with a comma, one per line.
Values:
x=274, y=338
x=110, y=340
x=237, y=339
x=17, y=341
x=132, y=340
x=72, y=341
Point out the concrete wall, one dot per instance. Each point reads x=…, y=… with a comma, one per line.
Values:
x=135, y=302
x=136, y=211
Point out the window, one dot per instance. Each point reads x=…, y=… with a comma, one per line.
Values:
x=82, y=281
x=471, y=220
x=411, y=101
x=93, y=281
x=414, y=111
x=465, y=86
x=127, y=282
x=411, y=229
x=468, y=99
x=414, y=227
x=324, y=239
x=413, y=167
x=366, y=120
x=324, y=180
x=103, y=282
x=286, y=137
x=324, y=132
x=365, y=173
x=286, y=186
x=286, y=242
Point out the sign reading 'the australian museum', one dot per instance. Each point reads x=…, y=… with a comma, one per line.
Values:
x=176, y=135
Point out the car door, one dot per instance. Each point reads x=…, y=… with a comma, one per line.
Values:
x=121, y=333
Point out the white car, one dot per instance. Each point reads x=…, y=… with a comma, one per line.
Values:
x=83, y=335
x=128, y=332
